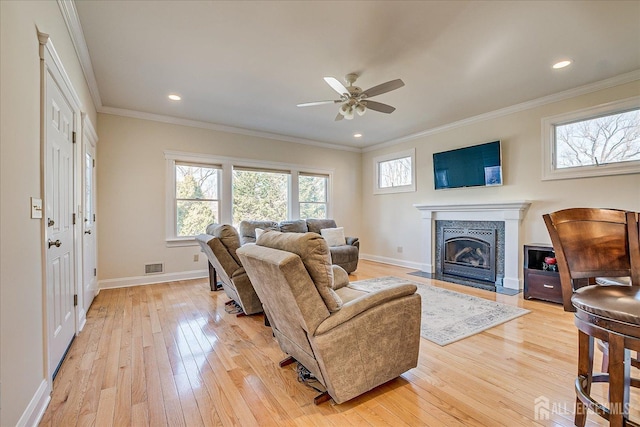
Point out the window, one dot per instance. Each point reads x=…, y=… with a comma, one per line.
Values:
x=202, y=189
x=604, y=140
x=312, y=190
x=260, y=195
x=394, y=173
x=197, y=200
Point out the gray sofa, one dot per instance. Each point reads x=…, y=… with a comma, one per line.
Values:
x=346, y=256
x=349, y=339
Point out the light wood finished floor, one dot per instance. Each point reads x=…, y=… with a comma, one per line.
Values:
x=169, y=354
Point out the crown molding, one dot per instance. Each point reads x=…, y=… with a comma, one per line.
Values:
x=221, y=128
x=70, y=15
x=560, y=96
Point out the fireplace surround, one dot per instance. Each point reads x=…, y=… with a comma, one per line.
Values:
x=509, y=214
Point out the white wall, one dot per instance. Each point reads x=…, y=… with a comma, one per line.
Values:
x=132, y=183
x=22, y=355
x=391, y=220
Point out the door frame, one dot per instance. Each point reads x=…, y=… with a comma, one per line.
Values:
x=89, y=137
x=50, y=64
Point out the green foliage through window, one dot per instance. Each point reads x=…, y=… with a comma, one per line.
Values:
x=312, y=196
x=260, y=195
x=196, y=199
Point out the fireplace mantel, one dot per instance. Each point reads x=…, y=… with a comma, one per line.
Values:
x=511, y=213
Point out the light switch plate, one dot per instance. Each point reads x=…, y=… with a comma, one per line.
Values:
x=36, y=208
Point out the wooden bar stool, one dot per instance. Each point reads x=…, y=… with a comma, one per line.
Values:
x=593, y=243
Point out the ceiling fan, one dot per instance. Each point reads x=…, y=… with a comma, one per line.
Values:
x=354, y=99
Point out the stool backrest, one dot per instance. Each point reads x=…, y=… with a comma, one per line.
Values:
x=591, y=243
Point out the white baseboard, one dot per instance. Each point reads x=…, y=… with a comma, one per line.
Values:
x=393, y=261
x=125, y=282
x=35, y=410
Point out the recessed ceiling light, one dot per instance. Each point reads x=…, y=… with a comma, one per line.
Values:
x=357, y=135
x=561, y=64
x=174, y=97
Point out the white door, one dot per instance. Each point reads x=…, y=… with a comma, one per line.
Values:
x=59, y=244
x=89, y=280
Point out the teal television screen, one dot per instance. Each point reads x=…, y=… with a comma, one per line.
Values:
x=475, y=166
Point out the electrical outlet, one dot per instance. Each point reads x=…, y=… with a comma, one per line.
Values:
x=196, y=257
x=399, y=249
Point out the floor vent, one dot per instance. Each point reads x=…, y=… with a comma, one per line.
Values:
x=154, y=268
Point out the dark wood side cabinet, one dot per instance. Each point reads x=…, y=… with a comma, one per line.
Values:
x=540, y=283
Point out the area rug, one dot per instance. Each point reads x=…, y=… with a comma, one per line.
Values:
x=449, y=316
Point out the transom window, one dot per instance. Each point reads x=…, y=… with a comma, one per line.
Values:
x=603, y=140
x=394, y=173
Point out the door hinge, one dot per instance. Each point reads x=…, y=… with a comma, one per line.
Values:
x=73, y=138
x=94, y=162
x=95, y=271
x=74, y=219
x=75, y=300
x=94, y=217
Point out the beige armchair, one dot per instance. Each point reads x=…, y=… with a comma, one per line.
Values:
x=220, y=245
x=350, y=340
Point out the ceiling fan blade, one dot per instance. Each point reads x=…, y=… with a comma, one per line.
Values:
x=310, y=104
x=336, y=85
x=383, y=88
x=339, y=117
x=379, y=106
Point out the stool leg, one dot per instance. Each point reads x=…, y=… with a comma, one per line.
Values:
x=619, y=380
x=585, y=374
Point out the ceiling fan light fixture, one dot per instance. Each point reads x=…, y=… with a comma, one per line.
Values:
x=344, y=109
x=361, y=109
x=349, y=114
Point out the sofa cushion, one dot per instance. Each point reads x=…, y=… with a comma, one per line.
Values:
x=334, y=236
x=314, y=253
x=315, y=225
x=299, y=226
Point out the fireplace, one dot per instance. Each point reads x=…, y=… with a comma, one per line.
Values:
x=469, y=253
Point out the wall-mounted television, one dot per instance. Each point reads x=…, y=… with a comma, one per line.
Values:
x=475, y=166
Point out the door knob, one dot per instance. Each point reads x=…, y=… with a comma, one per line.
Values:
x=87, y=232
x=57, y=243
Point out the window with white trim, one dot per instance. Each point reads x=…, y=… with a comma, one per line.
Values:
x=202, y=189
x=395, y=172
x=598, y=141
x=312, y=195
x=197, y=198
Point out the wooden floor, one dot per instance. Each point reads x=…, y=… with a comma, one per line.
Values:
x=169, y=354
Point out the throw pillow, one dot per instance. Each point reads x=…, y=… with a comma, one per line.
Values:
x=259, y=232
x=334, y=236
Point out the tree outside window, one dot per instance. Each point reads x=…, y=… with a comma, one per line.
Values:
x=197, y=198
x=395, y=173
x=312, y=196
x=260, y=195
x=598, y=141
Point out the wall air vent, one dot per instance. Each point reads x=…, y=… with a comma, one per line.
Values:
x=154, y=268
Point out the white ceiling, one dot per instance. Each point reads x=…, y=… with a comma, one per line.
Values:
x=246, y=64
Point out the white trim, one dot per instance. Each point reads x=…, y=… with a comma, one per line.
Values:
x=70, y=15
x=394, y=261
x=221, y=128
x=124, y=282
x=35, y=409
x=394, y=156
x=560, y=96
x=64, y=81
x=549, y=172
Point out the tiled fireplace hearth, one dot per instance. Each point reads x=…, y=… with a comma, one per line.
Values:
x=504, y=218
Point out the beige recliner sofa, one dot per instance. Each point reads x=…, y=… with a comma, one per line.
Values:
x=350, y=340
x=220, y=245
